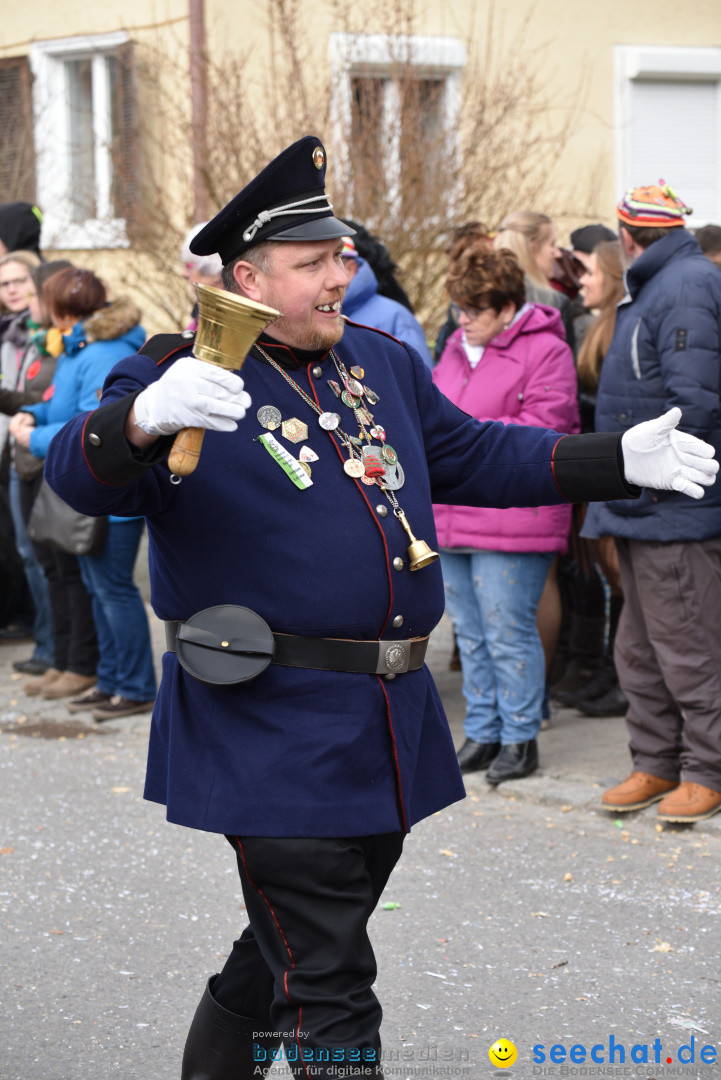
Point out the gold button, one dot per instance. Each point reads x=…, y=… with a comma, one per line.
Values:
x=225, y=644
x=381, y=510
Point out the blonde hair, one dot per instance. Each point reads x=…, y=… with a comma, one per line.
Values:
x=25, y=258
x=520, y=232
x=598, y=338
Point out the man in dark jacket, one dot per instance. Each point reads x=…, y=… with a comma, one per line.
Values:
x=666, y=351
x=317, y=767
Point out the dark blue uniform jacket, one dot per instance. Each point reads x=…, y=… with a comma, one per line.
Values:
x=300, y=752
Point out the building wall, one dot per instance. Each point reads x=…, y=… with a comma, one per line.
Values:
x=571, y=45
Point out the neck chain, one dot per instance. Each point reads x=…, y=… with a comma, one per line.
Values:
x=372, y=464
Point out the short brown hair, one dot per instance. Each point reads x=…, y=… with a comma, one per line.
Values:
x=260, y=255
x=483, y=278
x=645, y=235
x=74, y=293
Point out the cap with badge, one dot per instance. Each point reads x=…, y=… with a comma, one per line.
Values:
x=655, y=206
x=287, y=201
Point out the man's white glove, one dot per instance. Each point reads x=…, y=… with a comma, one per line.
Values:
x=655, y=455
x=192, y=393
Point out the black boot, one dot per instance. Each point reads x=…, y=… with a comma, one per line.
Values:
x=224, y=1046
x=613, y=703
x=514, y=762
x=604, y=680
x=476, y=755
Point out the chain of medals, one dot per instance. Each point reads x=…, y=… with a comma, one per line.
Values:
x=372, y=464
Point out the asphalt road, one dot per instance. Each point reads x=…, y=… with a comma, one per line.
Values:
x=525, y=913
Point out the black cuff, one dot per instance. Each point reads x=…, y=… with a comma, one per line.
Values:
x=111, y=457
x=589, y=468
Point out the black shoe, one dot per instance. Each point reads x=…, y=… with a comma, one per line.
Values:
x=31, y=666
x=613, y=703
x=513, y=762
x=15, y=632
x=476, y=755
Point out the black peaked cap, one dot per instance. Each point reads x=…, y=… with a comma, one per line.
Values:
x=286, y=201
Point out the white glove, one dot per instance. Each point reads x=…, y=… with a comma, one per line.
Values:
x=655, y=455
x=192, y=393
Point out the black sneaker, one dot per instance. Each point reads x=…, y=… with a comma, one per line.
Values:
x=31, y=666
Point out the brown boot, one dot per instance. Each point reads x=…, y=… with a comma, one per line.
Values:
x=43, y=682
x=68, y=685
x=690, y=802
x=638, y=790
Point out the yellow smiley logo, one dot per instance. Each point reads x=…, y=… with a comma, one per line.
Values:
x=502, y=1054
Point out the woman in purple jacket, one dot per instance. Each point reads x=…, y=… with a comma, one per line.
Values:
x=508, y=361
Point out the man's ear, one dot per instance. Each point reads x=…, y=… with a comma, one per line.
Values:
x=247, y=277
x=627, y=241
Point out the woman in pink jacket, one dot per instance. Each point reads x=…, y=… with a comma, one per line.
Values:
x=508, y=361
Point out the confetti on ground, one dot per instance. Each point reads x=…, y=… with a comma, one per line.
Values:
x=391, y=905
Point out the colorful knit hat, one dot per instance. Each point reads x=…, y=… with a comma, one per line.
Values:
x=657, y=206
x=350, y=251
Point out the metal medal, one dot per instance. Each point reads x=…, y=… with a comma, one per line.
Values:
x=371, y=397
x=357, y=372
x=306, y=454
x=350, y=399
x=294, y=430
x=353, y=467
x=369, y=480
x=354, y=387
x=269, y=417
x=329, y=421
x=334, y=387
x=388, y=454
x=305, y=465
x=394, y=477
x=379, y=432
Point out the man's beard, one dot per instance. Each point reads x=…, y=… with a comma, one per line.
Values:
x=307, y=335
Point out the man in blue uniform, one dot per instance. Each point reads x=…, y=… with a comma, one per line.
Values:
x=316, y=768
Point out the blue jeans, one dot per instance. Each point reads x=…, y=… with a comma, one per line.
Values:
x=492, y=598
x=125, y=666
x=37, y=582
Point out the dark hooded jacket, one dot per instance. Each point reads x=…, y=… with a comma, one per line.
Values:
x=666, y=351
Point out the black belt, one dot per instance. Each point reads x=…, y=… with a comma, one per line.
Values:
x=385, y=657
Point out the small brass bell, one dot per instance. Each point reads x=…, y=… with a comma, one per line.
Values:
x=419, y=553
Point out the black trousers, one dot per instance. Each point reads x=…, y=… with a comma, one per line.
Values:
x=76, y=646
x=305, y=965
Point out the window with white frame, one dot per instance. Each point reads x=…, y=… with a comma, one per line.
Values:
x=83, y=109
x=668, y=123
x=396, y=105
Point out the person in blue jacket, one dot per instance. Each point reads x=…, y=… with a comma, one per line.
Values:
x=666, y=352
x=118, y=679
x=364, y=304
x=295, y=713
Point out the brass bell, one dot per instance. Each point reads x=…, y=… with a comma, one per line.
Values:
x=419, y=553
x=228, y=326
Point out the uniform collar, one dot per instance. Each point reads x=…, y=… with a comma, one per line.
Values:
x=289, y=357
